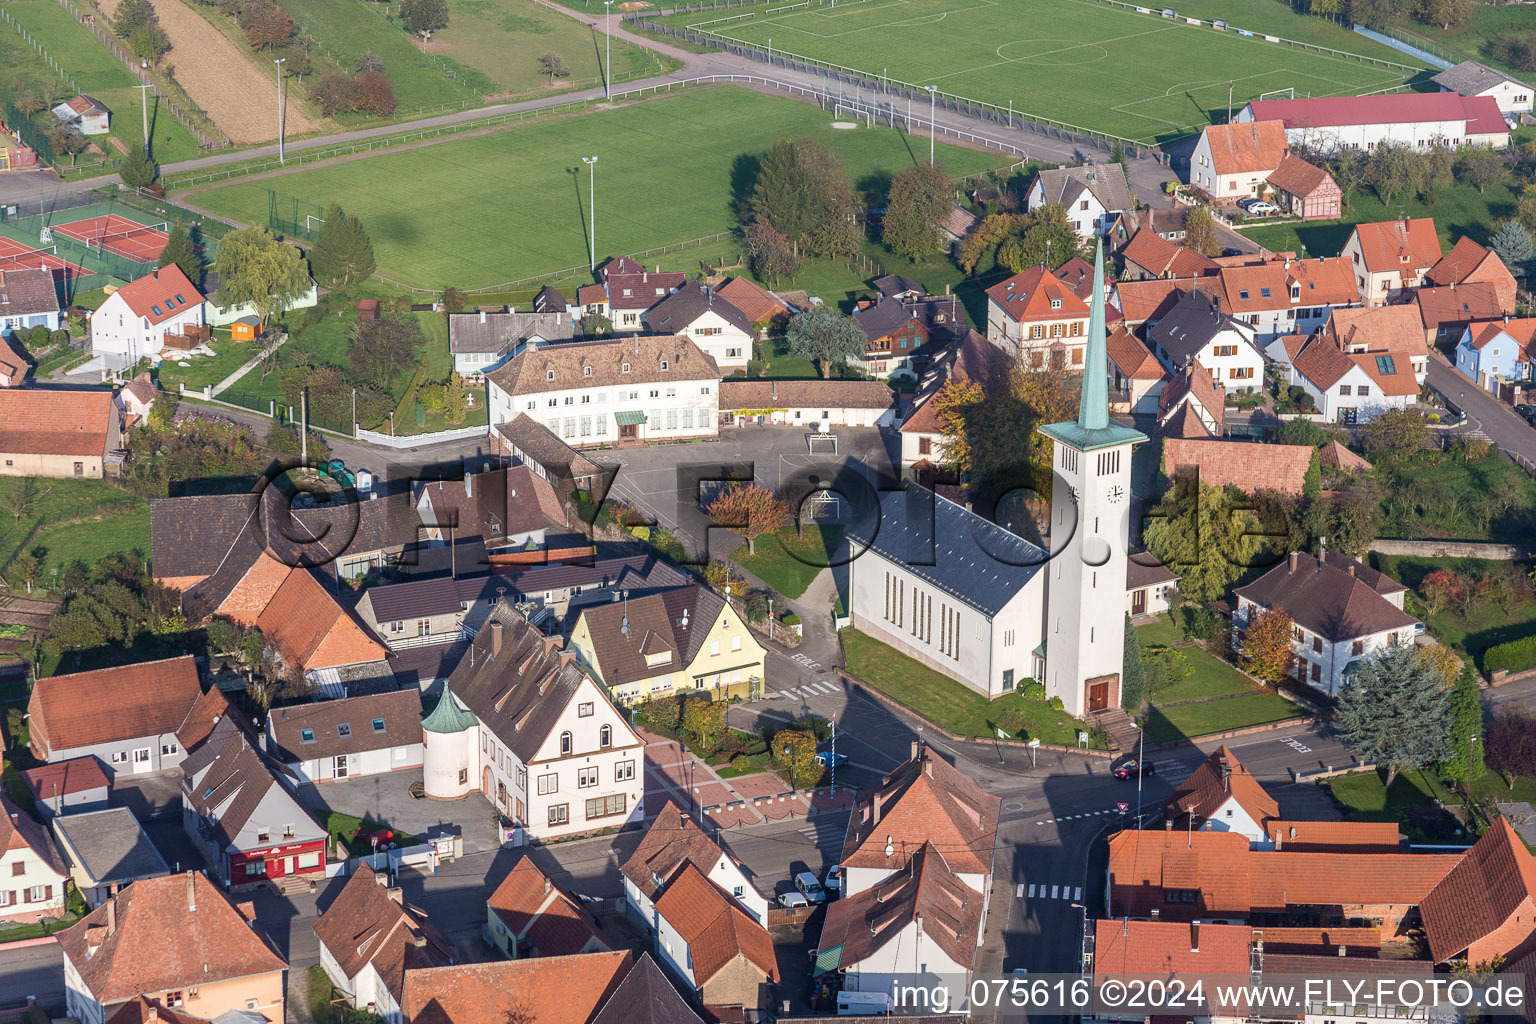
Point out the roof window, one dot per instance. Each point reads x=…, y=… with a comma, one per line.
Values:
x=378, y=725
x=307, y=736
x=343, y=730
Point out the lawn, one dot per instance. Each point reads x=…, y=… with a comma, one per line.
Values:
x=1487, y=624
x=1209, y=675
x=1187, y=721
x=789, y=560
x=942, y=700
x=62, y=501
x=1070, y=56
x=504, y=39
x=1472, y=40
x=205, y=370
x=513, y=203
x=97, y=72
x=344, y=827
x=1437, y=497
x=1459, y=210
x=1411, y=801
x=94, y=539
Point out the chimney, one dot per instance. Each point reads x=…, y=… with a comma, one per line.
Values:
x=1277, y=842
x=261, y=742
x=546, y=885
x=395, y=893
x=191, y=892
x=1351, y=568
x=482, y=316
x=154, y=1012
x=421, y=942
x=1343, y=951
x=912, y=753
x=111, y=915
x=383, y=880
x=1194, y=936
x=469, y=484
x=928, y=768
x=495, y=639
x=1292, y=562
x=1156, y=913
x=1167, y=824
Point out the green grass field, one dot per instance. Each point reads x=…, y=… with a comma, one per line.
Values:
x=56, y=503
x=98, y=73
x=92, y=540
x=504, y=39
x=513, y=203
x=1473, y=40
x=1106, y=69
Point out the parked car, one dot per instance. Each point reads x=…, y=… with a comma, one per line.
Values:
x=1418, y=629
x=1135, y=769
x=1231, y=251
x=793, y=901
x=829, y=760
x=834, y=880
x=1527, y=413
x=1259, y=207
x=807, y=885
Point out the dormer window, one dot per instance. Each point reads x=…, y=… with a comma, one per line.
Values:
x=549, y=374
x=586, y=371
x=1055, y=303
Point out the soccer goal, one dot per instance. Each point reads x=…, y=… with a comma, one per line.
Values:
x=828, y=442
x=819, y=506
x=1288, y=93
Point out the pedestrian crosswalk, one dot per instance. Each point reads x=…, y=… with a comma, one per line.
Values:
x=1173, y=772
x=824, y=835
x=817, y=689
x=1045, y=891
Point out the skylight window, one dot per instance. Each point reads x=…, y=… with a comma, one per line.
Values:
x=1385, y=366
x=343, y=730
x=307, y=736
x=155, y=310
x=1242, y=293
x=1264, y=292
x=378, y=725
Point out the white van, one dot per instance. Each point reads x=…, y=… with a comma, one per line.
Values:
x=863, y=1004
x=810, y=888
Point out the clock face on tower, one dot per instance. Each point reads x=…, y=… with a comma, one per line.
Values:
x=1072, y=493
x=1116, y=493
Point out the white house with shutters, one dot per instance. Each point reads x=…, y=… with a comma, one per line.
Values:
x=32, y=874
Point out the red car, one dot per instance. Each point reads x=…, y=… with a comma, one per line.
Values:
x=1132, y=769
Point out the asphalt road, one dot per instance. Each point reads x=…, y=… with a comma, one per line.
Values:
x=1492, y=417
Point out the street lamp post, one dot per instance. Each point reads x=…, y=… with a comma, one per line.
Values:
x=391, y=423
x=790, y=761
x=280, y=61
x=591, y=162
x=608, y=47
x=933, y=128
x=1141, y=744
x=354, y=414
x=144, y=96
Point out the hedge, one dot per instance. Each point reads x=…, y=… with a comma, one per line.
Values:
x=1514, y=656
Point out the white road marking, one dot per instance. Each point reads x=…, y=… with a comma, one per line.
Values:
x=1020, y=893
x=1079, y=895
x=1054, y=890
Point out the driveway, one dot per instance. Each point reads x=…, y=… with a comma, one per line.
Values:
x=386, y=797
x=1495, y=420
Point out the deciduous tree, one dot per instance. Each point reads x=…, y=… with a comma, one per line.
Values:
x=131, y=15
x=1481, y=166
x=705, y=720
x=423, y=16
x=1511, y=743
x=595, y=325
x=257, y=269
x=1195, y=531
x=1200, y=232
x=1440, y=590
x=1047, y=237
x=1267, y=646
x=266, y=24
x=824, y=335
x=1396, y=435
x=553, y=65
x=1394, y=711
x=769, y=253
x=748, y=509
x=380, y=350
x=794, y=751
x=919, y=200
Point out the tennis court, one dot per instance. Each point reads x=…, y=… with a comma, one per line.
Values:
x=16, y=255
x=117, y=234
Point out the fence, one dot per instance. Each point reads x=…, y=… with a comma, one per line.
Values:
x=28, y=132
x=1395, y=39
x=412, y=440
x=55, y=65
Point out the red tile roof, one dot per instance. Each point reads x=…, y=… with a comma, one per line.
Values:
x=753, y=299
x=42, y=421
x=1322, y=836
x=539, y=990
x=1125, y=949
x=1162, y=258
x=717, y=930
x=1295, y=176
x=311, y=629
x=214, y=941
x=1246, y=146
x=925, y=799
x=367, y=925
x=1407, y=245
x=1322, y=363
x=671, y=841
x=1141, y=301
x=1396, y=329
x=1355, y=942
x=1221, y=777
x=65, y=778
x=83, y=709
x=1457, y=305
x=1493, y=882
x=1030, y=295
x=1522, y=330
x=13, y=364
x=1270, y=467
x=160, y=294
x=1335, y=455
x=537, y=912
x=1337, y=111
x=1194, y=383
x=1400, y=382
x=1131, y=355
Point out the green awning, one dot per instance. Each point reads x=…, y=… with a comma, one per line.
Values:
x=1039, y=652
x=629, y=418
x=828, y=960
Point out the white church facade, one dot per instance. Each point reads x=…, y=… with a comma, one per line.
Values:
x=990, y=609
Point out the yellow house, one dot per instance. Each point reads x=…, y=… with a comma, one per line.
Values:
x=686, y=640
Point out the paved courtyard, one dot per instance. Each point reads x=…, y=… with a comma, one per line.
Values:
x=387, y=798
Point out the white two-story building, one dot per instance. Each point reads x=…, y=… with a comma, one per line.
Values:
x=619, y=391
x=721, y=330
x=138, y=318
x=672, y=841
x=1195, y=330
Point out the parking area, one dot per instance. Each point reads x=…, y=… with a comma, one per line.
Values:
x=387, y=798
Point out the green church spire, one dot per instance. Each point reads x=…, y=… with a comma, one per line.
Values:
x=1093, y=406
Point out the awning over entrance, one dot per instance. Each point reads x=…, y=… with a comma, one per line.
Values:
x=629, y=418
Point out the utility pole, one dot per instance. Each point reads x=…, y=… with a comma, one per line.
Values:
x=591, y=162
x=933, y=128
x=1229, y=103
x=144, y=96
x=304, y=427
x=280, y=61
x=354, y=414
x=1141, y=753
x=608, y=47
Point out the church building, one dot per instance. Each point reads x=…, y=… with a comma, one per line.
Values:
x=992, y=610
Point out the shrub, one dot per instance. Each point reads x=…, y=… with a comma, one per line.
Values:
x=1513, y=656
x=1200, y=623
x=1057, y=704
x=1031, y=690
x=741, y=762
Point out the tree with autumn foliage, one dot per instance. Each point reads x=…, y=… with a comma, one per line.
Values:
x=705, y=721
x=1441, y=589
x=988, y=426
x=1267, y=646
x=794, y=752
x=748, y=509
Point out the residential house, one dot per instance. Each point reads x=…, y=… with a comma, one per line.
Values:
x=1142, y=303
x=76, y=786
x=722, y=332
x=1093, y=195
x=631, y=293
x=330, y=740
x=923, y=800
x=592, y=300
x=318, y=637
x=1221, y=795
x=1469, y=78
x=1037, y=318
x=899, y=286
x=671, y=842
x=563, y=589
x=240, y=812
x=14, y=365
x=544, y=744
x=1137, y=379
x=480, y=342
x=87, y=114
x=1273, y=467
x=1192, y=395
x=161, y=310
x=422, y=612
x=1390, y=257
x=1383, y=330
x=51, y=433
x=1304, y=190
x=508, y=516
x=684, y=640
x=1286, y=296
x=33, y=873
x=1446, y=313
x=951, y=589
x=1326, y=836
x=722, y=956
x=1126, y=950
x=105, y=850
x=957, y=223
x=549, y=300
x=916, y=927
x=136, y=399
x=532, y=444
x=1484, y=909
x=1149, y=585
x=972, y=358
x=1416, y=120
x=817, y=405
x=1218, y=878
x=244, y=313
x=762, y=307
x=645, y=996
x=1342, y=610
x=1149, y=256
x=29, y=297
x=1234, y=161
x=1196, y=330
x=219, y=962
x=1352, y=388
x=369, y=938
x=1078, y=275
x=1470, y=263
x=135, y=719
x=627, y=390
x=1499, y=350
x=903, y=332
x=528, y=915
x=541, y=990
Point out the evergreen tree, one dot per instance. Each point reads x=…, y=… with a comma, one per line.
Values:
x=180, y=251
x=1394, y=712
x=343, y=253
x=918, y=203
x=138, y=170
x=1466, y=730
x=1133, y=676
x=1514, y=246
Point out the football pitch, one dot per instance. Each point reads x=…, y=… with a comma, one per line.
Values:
x=513, y=204
x=1087, y=64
